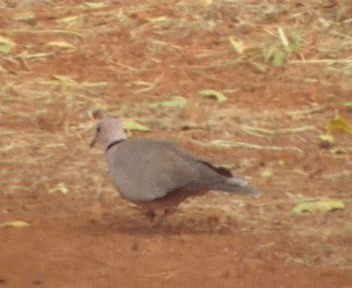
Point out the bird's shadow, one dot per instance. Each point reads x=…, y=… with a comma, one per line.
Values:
x=136, y=222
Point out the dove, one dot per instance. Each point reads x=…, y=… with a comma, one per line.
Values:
x=156, y=174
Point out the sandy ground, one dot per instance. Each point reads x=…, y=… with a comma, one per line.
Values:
x=125, y=55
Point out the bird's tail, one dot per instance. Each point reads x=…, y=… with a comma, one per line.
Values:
x=235, y=185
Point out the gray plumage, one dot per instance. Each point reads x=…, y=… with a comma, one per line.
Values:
x=149, y=172
x=145, y=170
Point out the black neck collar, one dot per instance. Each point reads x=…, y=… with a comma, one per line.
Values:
x=113, y=143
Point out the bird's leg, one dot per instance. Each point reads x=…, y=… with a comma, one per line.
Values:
x=151, y=214
x=159, y=218
x=169, y=211
x=156, y=216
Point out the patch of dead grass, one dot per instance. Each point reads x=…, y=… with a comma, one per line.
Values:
x=45, y=114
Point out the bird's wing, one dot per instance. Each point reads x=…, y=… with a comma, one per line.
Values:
x=145, y=170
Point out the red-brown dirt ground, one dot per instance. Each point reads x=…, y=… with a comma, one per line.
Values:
x=122, y=56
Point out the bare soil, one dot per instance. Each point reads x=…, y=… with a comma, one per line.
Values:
x=129, y=54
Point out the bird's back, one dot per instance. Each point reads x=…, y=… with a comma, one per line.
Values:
x=145, y=170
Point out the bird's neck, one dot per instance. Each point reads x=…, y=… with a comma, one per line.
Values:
x=114, y=143
x=113, y=140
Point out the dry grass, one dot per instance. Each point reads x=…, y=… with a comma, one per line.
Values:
x=47, y=93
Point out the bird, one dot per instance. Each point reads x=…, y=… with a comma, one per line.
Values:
x=157, y=175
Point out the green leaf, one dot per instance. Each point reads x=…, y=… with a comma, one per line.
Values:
x=14, y=224
x=268, y=53
x=237, y=45
x=267, y=173
x=59, y=188
x=339, y=124
x=71, y=20
x=279, y=58
x=60, y=44
x=229, y=166
x=178, y=101
x=220, y=97
x=132, y=125
x=94, y=5
x=159, y=19
x=348, y=106
x=326, y=141
x=260, y=68
x=6, y=45
x=295, y=43
x=319, y=206
x=163, y=22
x=64, y=79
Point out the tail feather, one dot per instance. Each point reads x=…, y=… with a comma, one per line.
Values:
x=235, y=185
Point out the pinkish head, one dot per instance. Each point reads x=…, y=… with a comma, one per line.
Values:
x=107, y=130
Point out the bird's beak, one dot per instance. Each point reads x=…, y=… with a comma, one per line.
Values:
x=94, y=141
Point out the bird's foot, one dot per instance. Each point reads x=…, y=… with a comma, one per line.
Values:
x=169, y=211
x=158, y=219
x=158, y=216
x=151, y=214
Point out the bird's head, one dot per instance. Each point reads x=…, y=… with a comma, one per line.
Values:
x=107, y=130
